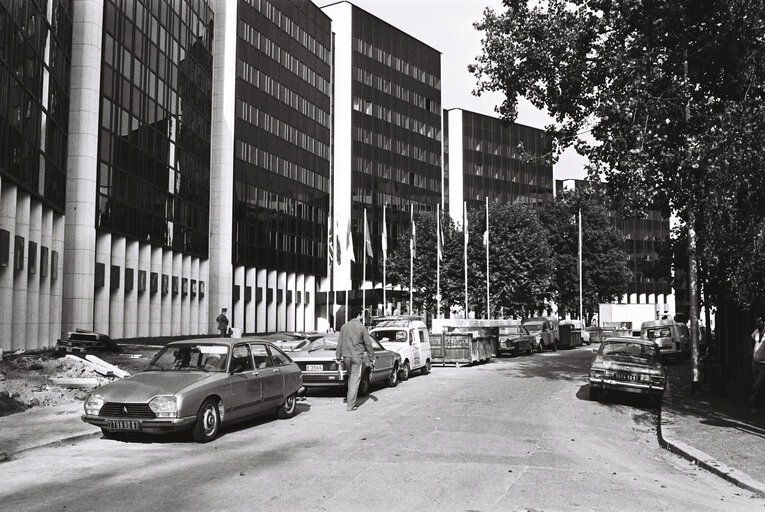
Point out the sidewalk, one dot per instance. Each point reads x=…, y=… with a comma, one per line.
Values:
x=717, y=432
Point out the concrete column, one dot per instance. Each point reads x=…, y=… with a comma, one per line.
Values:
x=250, y=279
x=290, y=301
x=117, y=290
x=101, y=300
x=194, y=301
x=131, y=296
x=642, y=299
x=633, y=298
x=261, y=307
x=176, y=295
x=144, y=297
x=271, y=307
x=281, y=307
x=82, y=164
x=222, y=156
x=20, y=281
x=300, y=306
x=8, y=193
x=56, y=276
x=309, y=300
x=33, y=279
x=186, y=295
x=204, y=309
x=670, y=309
x=166, y=290
x=46, y=241
x=237, y=308
x=155, y=296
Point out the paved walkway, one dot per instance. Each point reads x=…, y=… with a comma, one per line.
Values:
x=715, y=431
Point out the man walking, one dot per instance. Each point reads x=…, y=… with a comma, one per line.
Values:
x=223, y=323
x=758, y=365
x=353, y=347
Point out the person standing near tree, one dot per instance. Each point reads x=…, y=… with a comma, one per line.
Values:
x=223, y=323
x=758, y=365
x=354, y=349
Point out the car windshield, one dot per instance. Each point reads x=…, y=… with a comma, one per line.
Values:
x=190, y=357
x=390, y=335
x=658, y=332
x=513, y=330
x=291, y=345
x=638, y=350
x=322, y=344
x=533, y=327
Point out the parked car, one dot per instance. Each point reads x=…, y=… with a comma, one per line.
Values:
x=672, y=337
x=578, y=325
x=409, y=337
x=545, y=329
x=198, y=384
x=514, y=340
x=317, y=362
x=630, y=365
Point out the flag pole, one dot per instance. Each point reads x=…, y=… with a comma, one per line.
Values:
x=384, y=242
x=581, y=308
x=411, y=262
x=438, y=261
x=465, y=229
x=364, y=267
x=488, y=305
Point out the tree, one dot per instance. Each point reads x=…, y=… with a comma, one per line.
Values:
x=604, y=261
x=671, y=94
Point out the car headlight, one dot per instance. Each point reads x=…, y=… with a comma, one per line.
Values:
x=93, y=404
x=164, y=406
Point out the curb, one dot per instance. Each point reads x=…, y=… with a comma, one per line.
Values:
x=665, y=435
x=7, y=456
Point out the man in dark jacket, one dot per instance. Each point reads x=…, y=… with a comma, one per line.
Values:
x=354, y=346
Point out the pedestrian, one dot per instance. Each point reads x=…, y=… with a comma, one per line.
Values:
x=758, y=365
x=223, y=323
x=354, y=349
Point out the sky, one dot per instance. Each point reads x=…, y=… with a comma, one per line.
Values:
x=447, y=26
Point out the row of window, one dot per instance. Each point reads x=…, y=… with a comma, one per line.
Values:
x=404, y=121
x=293, y=29
x=399, y=147
x=274, y=202
x=384, y=171
x=515, y=147
x=266, y=121
x=396, y=63
x=46, y=262
x=387, y=87
x=254, y=38
x=271, y=86
x=255, y=156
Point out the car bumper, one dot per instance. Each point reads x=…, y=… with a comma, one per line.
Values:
x=146, y=425
x=323, y=379
x=628, y=387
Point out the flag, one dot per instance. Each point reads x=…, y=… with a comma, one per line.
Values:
x=486, y=237
x=413, y=235
x=349, y=242
x=330, y=240
x=439, y=236
x=384, y=237
x=465, y=223
x=367, y=237
x=340, y=248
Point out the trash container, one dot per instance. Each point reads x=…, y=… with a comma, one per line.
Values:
x=566, y=336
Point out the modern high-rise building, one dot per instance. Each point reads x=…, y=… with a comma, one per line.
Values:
x=387, y=143
x=488, y=157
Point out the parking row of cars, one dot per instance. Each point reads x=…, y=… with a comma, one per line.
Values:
x=203, y=384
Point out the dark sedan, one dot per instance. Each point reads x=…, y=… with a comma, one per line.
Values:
x=629, y=365
x=200, y=385
x=514, y=340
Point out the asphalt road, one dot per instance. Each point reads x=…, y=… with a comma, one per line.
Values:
x=513, y=434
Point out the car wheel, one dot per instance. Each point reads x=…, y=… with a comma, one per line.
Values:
x=595, y=394
x=426, y=369
x=364, y=383
x=393, y=377
x=288, y=408
x=207, y=425
x=404, y=374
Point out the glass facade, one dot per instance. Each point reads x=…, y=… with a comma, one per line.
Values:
x=156, y=103
x=35, y=49
x=644, y=239
x=505, y=161
x=396, y=133
x=282, y=136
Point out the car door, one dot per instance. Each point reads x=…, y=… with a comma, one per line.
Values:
x=291, y=377
x=270, y=378
x=416, y=348
x=246, y=392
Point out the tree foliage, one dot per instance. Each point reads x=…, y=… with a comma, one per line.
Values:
x=604, y=261
x=671, y=95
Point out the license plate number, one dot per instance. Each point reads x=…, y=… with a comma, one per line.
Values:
x=314, y=367
x=122, y=425
x=627, y=377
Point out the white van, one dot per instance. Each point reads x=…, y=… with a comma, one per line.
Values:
x=672, y=337
x=409, y=337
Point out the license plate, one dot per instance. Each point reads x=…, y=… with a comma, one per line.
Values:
x=627, y=376
x=314, y=367
x=122, y=425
